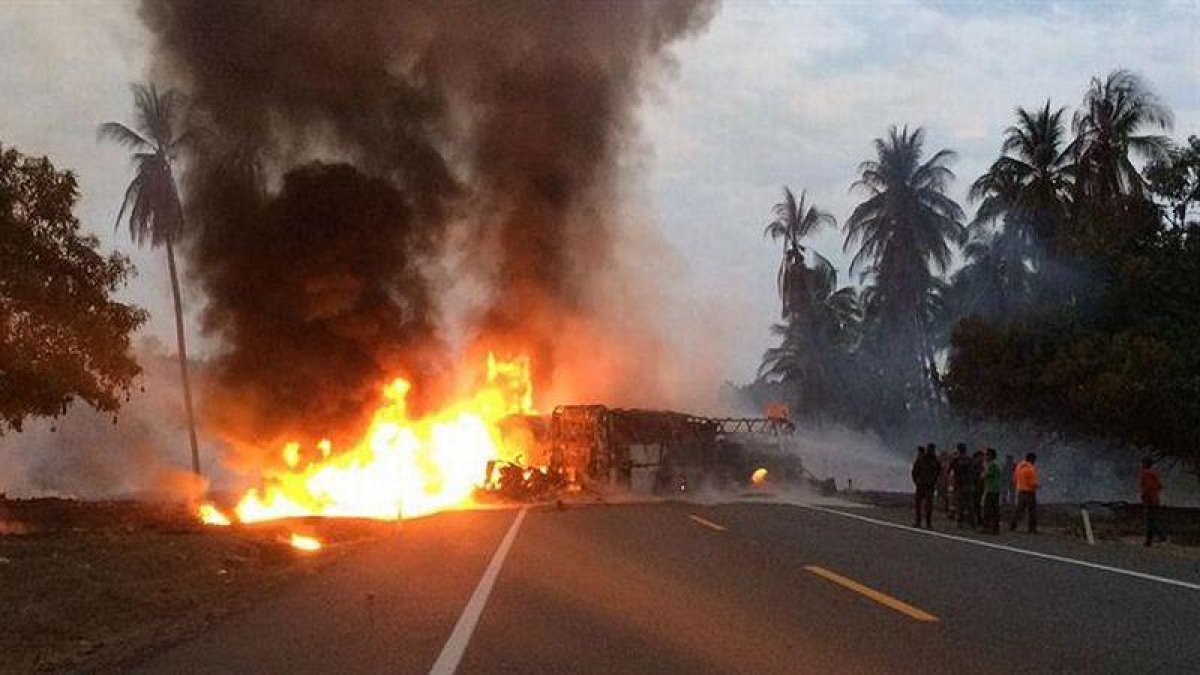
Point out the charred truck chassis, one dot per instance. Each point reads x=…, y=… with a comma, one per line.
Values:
x=594, y=443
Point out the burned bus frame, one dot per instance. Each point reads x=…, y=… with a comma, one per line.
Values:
x=595, y=443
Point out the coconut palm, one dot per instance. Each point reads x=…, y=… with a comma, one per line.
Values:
x=1028, y=187
x=795, y=220
x=994, y=282
x=815, y=338
x=1175, y=181
x=1109, y=129
x=151, y=206
x=904, y=231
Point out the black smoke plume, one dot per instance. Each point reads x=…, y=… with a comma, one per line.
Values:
x=344, y=140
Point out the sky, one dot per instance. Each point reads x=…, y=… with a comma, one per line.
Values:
x=771, y=94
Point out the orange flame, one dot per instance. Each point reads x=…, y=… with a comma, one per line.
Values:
x=759, y=476
x=402, y=467
x=305, y=543
x=210, y=515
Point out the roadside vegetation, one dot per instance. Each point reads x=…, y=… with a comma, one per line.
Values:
x=63, y=335
x=1076, y=306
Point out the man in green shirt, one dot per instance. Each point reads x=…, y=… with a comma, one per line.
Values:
x=993, y=485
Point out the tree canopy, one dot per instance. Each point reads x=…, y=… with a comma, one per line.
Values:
x=62, y=335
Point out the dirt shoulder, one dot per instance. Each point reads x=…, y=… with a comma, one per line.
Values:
x=92, y=585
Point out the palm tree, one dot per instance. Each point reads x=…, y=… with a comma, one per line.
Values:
x=994, y=282
x=903, y=231
x=1175, y=181
x=1028, y=187
x=151, y=205
x=815, y=338
x=1108, y=131
x=794, y=220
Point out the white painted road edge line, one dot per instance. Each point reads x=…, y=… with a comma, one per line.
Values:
x=707, y=523
x=452, y=653
x=1011, y=549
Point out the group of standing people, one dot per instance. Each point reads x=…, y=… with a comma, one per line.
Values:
x=972, y=487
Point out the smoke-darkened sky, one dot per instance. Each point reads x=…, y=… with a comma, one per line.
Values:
x=768, y=94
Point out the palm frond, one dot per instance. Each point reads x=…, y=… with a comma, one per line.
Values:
x=151, y=206
x=123, y=136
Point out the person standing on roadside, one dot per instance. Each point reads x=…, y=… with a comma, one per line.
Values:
x=1026, y=480
x=943, y=484
x=980, y=468
x=966, y=479
x=993, y=485
x=918, y=497
x=1151, y=489
x=1009, y=493
x=925, y=472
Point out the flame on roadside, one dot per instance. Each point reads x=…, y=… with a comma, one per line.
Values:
x=759, y=476
x=305, y=542
x=211, y=515
x=402, y=467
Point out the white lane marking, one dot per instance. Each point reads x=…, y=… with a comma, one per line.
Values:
x=452, y=653
x=1012, y=549
x=707, y=523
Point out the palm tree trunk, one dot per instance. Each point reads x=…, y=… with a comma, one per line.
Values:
x=183, y=362
x=928, y=371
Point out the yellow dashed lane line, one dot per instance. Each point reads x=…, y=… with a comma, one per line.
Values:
x=882, y=598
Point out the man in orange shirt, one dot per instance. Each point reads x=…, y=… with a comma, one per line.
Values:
x=1151, y=487
x=1025, y=479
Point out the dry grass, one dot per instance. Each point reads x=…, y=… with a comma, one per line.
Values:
x=89, y=586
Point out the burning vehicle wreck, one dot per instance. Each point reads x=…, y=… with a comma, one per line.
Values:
x=644, y=451
x=492, y=444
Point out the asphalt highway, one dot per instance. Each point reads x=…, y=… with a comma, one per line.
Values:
x=681, y=588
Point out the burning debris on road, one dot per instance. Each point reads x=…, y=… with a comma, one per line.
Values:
x=404, y=466
x=305, y=542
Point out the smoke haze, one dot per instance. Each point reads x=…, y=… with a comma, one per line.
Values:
x=85, y=453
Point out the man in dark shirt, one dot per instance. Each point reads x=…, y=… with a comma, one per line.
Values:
x=925, y=472
x=966, y=484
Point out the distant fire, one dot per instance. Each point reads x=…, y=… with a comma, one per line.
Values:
x=759, y=476
x=402, y=467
